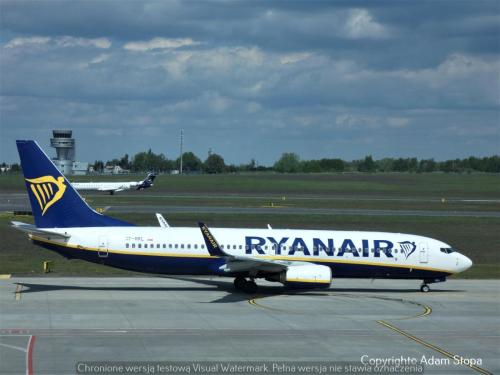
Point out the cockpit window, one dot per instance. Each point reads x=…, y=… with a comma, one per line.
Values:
x=447, y=250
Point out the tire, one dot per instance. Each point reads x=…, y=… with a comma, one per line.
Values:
x=250, y=287
x=239, y=283
x=425, y=288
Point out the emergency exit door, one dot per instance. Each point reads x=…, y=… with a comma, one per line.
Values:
x=102, y=250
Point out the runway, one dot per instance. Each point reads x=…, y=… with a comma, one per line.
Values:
x=19, y=202
x=50, y=325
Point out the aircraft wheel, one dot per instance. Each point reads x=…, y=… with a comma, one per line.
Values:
x=424, y=288
x=250, y=287
x=239, y=283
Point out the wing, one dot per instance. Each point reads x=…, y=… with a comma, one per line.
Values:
x=236, y=263
x=33, y=230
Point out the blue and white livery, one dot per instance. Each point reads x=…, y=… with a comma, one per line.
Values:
x=114, y=187
x=294, y=257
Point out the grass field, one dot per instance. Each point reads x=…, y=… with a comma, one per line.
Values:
x=478, y=238
x=434, y=185
x=362, y=202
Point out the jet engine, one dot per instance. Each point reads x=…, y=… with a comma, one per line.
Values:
x=307, y=276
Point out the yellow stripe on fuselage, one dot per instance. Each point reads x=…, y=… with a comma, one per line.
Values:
x=308, y=281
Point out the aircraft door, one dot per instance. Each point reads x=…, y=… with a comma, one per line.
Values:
x=102, y=250
x=424, y=252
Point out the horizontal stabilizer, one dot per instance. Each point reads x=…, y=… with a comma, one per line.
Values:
x=31, y=229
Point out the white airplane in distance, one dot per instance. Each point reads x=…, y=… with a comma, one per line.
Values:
x=297, y=258
x=113, y=187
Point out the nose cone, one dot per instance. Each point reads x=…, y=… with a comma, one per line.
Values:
x=464, y=263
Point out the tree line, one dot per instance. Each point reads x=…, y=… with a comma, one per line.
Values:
x=290, y=162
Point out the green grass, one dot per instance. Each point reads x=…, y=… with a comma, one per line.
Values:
x=435, y=185
x=476, y=237
x=145, y=198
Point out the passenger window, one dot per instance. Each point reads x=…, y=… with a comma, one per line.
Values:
x=189, y=246
x=139, y=246
x=164, y=246
x=169, y=245
x=202, y=246
x=195, y=246
x=126, y=245
x=182, y=246
x=241, y=247
x=158, y=246
x=176, y=246
x=133, y=246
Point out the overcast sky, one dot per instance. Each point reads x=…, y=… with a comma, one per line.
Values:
x=253, y=79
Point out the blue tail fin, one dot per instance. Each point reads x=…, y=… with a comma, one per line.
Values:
x=54, y=202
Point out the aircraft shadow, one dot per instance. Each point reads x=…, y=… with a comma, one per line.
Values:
x=231, y=295
x=279, y=289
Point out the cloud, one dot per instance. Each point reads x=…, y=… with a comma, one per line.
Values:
x=100, y=59
x=293, y=58
x=253, y=79
x=64, y=41
x=27, y=41
x=159, y=43
x=69, y=41
x=360, y=24
x=398, y=122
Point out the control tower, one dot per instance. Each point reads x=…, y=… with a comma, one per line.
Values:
x=65, y=148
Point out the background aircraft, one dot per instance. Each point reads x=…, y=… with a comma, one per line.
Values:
x=298, y=258
x=112, y=187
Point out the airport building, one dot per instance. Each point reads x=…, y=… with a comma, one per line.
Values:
x=64, y=144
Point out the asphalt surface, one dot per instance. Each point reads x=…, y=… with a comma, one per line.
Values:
x=20, y=202
x=51, y=325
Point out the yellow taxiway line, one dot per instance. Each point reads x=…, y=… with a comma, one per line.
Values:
x=19, y=288
x=427, y=311
x=434, y=347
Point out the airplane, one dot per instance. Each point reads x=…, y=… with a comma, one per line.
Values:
x=296, y=258
x=113, y=187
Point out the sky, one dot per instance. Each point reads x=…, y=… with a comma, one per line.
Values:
x=253, y=79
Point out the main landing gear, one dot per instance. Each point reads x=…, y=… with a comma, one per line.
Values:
x=247, y=286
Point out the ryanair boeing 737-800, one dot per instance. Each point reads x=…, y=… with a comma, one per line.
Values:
x=297, y=258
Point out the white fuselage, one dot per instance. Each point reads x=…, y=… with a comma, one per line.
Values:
x=348, y=253
x=105, y=186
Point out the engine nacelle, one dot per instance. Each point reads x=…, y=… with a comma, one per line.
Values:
x=307, y=276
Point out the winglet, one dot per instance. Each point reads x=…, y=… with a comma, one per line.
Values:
x=162, y=221
x=212, y=245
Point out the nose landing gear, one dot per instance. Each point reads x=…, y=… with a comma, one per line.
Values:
x=424, y=288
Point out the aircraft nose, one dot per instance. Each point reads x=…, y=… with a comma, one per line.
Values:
x=464, y=263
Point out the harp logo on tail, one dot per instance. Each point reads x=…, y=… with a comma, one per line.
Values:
x=408, y=248
x=47, y=190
